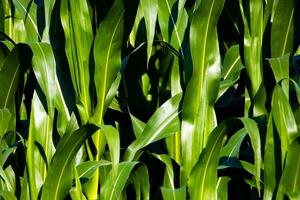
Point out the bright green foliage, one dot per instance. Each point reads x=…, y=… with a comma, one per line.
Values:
x=149, y=99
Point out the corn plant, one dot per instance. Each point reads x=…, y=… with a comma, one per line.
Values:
x=149, y=99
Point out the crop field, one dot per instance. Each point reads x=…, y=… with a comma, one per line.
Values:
x=149, y=99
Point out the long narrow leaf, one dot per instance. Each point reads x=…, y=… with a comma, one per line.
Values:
x=59, y=178
x=198, y=113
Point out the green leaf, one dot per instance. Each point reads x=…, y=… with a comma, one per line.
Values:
x=169, y=173
x=44, y=67
x=40, y=132
x=253, y=39
x=86, y=169
x=48, y=7
x=137, y=125
x=140, y=180
x=113, y=141
x=282, y=31
x=297, y=52
x=271, y=158
x=222, y=187
x=78, y=52
x=280, y=67
x=232, y=66
x=43, y=64
x=76, y=192
x=203, y=179
x=9, y=78
x=107, y=54
x=206, y=168
x=232, y=147
x=285, y=123
x=164, y=16
x=139, y=16
x=8, y=195
x=113, y=187
x=175, y=194
x=290, y=179
x=112, y=92
x=198, y=115
x=150, y=9
x=59, y=178
x=27, y=10
x=4, y=121
x=163, y=123
x=253, y=132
